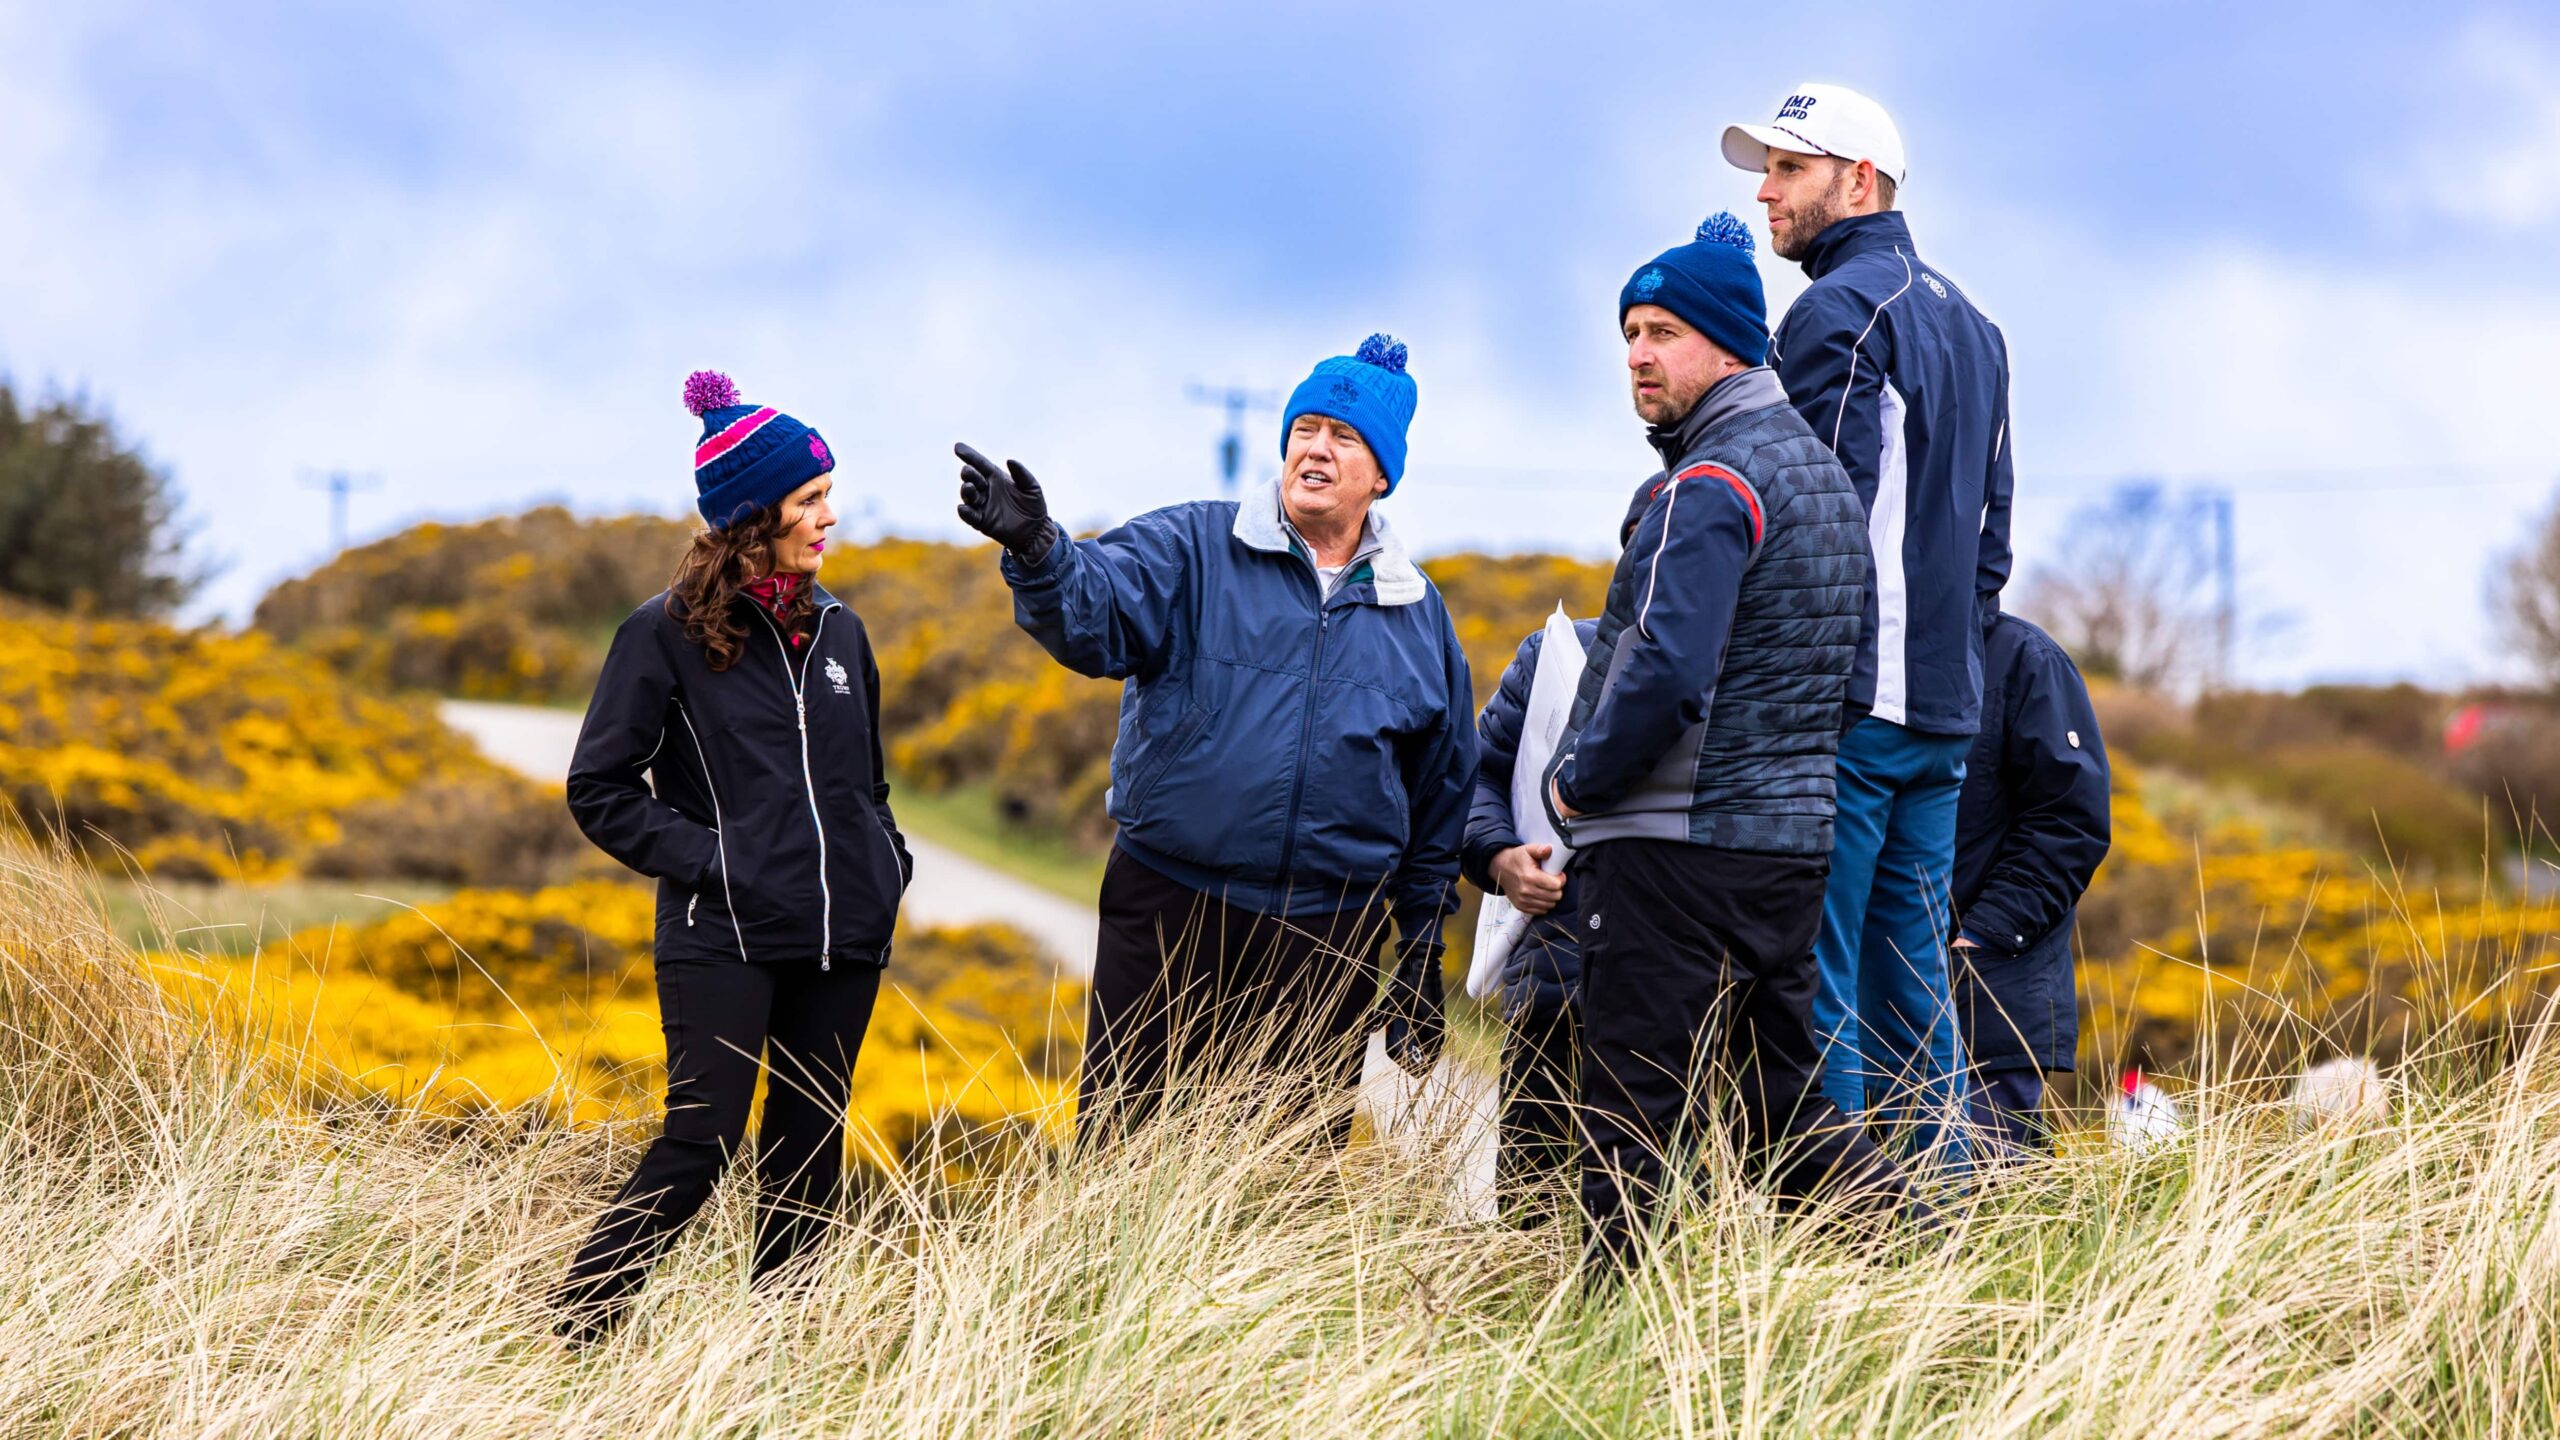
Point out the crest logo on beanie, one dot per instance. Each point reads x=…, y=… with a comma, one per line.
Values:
x=818, y=451
x=1344, y=392
x=1649, y=284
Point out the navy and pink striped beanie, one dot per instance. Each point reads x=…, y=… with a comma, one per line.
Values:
x=750, y=455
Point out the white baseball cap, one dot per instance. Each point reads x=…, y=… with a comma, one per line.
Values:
x=1821, y=120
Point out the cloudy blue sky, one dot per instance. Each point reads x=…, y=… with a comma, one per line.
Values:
x=2302, y=251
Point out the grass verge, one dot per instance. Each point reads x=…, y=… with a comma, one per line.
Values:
x=966, y=820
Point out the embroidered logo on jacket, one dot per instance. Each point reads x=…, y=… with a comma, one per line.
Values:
x=837, y=677
x=1934, y=287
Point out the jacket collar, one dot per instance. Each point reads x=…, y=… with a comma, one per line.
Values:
x=1845, y=240
x=1259, y=524
x=1739, y=393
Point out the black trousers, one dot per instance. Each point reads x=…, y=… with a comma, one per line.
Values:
x=1188, y=988
x=1698, y=981
x=1541, y=1063
x=729, y=1022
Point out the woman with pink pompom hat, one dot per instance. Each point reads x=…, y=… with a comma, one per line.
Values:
x=732, y=753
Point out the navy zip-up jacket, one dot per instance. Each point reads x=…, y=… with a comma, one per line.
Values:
x=1544, y=973
x=2031, y=828
x=1908, y=384
x=1287, y=750
x=1712, y=703
x=755, y=796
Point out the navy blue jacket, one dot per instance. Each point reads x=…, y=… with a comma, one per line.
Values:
x=1909, y=385
x=1544, y=972
x=2031, y=827
x=1711, y=707
x=1286, y=750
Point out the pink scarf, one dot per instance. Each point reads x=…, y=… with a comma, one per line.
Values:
x=776, y=593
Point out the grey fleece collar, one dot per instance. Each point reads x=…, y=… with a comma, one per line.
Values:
x=1398, y=581
x=1739, y=393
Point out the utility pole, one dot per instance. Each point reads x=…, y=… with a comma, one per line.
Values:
x=340, y=485
x=1237, y=400
x=2226, y=579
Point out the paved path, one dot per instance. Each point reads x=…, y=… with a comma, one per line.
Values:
x=949, y=888
x=952, y=889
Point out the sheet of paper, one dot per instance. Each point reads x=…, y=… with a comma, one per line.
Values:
x=1500, y=925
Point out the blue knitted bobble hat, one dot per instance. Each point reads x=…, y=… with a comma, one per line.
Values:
x=1367, y=390
x=1712, y=284
x=749, y=455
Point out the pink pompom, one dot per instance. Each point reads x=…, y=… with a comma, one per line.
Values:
x=708, y=390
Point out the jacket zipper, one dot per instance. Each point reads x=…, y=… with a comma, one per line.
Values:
x=808, y=778
x=1306, y=734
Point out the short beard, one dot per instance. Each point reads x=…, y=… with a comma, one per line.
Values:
x=1675, y=408
x=1808, y=224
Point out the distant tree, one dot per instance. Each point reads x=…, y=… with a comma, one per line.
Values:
x=2524, y=598
x=2129, y=589
x=86, y=522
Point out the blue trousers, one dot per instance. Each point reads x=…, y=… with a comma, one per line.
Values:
x=1884, y=1011
x=2005, y=1104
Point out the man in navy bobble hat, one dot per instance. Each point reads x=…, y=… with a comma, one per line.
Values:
x=1294, y=760
x=1694, y=778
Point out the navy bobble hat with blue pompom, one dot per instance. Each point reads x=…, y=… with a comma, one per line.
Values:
x=749, y=455
x=1712, y=284
x=1367, y=390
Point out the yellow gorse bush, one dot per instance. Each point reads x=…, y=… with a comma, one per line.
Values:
x=209, y=754
x=2198, y=925
x=500, y=1000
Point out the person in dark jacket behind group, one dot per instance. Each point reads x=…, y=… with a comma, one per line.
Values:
x=1694, y=779
x=2030, y=831
x=1542, y=977
x=1293, y=761
x=1893, y=368
x=749, y=697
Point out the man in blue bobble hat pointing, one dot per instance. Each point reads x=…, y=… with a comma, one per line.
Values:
x=1294, y=761
x=1695, y=775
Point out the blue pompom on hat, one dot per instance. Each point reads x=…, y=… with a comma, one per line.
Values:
x=749, y=455
x=1712, y=284
x=1367, y=390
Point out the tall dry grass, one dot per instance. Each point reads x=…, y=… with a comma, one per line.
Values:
x=185, y=1251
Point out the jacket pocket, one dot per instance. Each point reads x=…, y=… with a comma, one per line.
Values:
x=1154, y=760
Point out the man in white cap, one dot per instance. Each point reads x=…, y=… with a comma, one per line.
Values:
x=1909, y=385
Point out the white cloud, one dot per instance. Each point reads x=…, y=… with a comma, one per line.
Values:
x=2495, y=159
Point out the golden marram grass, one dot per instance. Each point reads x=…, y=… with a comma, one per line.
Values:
x=189, y=1252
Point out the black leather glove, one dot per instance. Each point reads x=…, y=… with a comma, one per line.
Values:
x=1005, y=505
x=1417, y=1011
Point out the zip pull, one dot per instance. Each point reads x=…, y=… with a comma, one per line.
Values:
x=825, y=963
x=689, y=906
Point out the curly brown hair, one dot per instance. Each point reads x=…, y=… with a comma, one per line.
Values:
x=714, y=575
